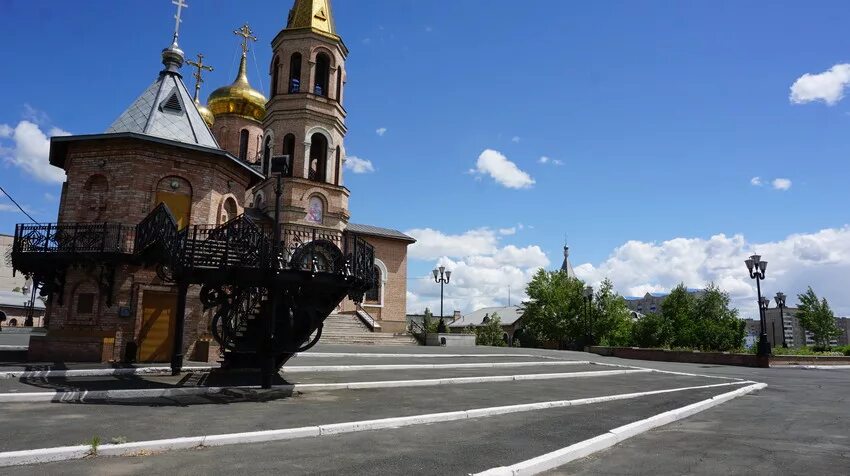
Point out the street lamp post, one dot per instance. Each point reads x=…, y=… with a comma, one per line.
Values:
x=757, y=267
x=764, y=304
x=442, y=277
x=588, y=327
x=780, y=303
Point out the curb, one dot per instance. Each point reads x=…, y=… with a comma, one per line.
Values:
x=97, y=372
x=587, y=447
x=475, y=365
x=107, y=395
x=43, y=455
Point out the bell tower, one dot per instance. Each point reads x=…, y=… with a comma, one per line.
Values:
x=305, y=119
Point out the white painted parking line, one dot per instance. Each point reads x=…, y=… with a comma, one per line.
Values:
x=669, y=372
x=417, y=356
x=290, y=368
x=587, y=447
x=82, y=396
x=43, y=455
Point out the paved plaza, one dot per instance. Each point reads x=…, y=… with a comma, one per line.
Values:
x=468, y=411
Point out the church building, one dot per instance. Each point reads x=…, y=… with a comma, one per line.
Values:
x=208, y=165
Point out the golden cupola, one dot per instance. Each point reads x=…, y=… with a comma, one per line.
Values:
x=239, y=98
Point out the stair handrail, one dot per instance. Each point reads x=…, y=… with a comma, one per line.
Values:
x=367, y=318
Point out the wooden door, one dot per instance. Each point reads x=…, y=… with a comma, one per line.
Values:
x=156, y=338
x=179, y=204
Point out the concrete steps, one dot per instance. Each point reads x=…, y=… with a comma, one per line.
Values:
x=348, y=329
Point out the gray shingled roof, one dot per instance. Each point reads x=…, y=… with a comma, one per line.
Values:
x=154, y=113
x=378, y=231
x=507, y=316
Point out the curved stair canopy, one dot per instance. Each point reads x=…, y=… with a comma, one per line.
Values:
x=268, y=298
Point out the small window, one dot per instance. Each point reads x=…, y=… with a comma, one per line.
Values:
x=85, y=303
x=243, y=144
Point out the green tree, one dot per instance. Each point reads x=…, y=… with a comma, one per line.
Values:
x=490, y=332
x=677, y=311
x=428, y=322
x=714, y=325
x=816, y=317
x=652, y=330
x=611, y=322
x=554, y=310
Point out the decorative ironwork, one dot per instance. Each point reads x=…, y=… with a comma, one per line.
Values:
x=269, y=300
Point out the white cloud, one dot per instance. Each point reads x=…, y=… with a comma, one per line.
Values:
x=781, y=184
x=5, y=131
x=381, y=131
x=502, y=170
x=515, y=139
x=827, y=86
x=756, y=181
x=543, y=160
x=30, y=149
x=508, y=231
x=482, y=269
x=820, y=259
x=5, y=207
x=547, y=160
x=358, y=165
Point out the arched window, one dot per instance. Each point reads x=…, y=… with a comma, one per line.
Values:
x=96, y=190
x=289, y=150
x=323, y=73
x=295, y=73
x=339, y=84
x=243, y=144
x=259, y=201
x=318, y=158
x=275, y=74
x=228, y=210
x=337, y=165
x=267, y=155
x=176, y=194
x=315, y=210
x=373, y=295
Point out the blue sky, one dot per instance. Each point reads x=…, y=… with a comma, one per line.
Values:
x=655, y=118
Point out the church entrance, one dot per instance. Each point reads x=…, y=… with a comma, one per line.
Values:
x=156, y=336
x=179, y=204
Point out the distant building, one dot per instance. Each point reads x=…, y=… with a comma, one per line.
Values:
x=510, y=318
x=651, y=302
x=7, y=281
x=14, y=307
x=795, y=334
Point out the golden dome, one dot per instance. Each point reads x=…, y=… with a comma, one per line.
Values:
x=205, y=113
x=239, y=98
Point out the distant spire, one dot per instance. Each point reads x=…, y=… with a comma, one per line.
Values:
x=566, y=266
x=172, y=57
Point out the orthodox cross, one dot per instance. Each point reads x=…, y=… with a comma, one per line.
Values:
x=199, y=67
x=246, y=34
x=180, y=6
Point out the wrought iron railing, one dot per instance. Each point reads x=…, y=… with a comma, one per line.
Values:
x=159, y=228
x=73, y=238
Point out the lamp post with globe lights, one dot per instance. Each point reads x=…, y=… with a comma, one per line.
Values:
x=588, y=298
x=442, y=277
x=757, y=267
x=780, y=303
